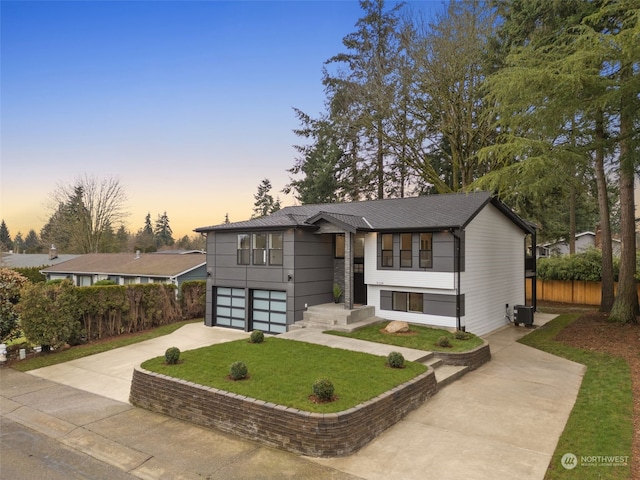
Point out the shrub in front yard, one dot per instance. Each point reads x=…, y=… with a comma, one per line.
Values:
x=460, y=335
x=395, y=360
x=238, y=371
x=256, y=337
x=172, y=355
x=444, y=342
x=323, y=389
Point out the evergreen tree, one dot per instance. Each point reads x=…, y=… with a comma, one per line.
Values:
x=5, y=238
x=32, y=242
x=162, y=232
x=264, y=203
x=18, y=243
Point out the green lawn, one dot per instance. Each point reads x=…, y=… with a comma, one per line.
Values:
x=426, y=338
x=601, y=422
x=79, y=351
x=283, y=372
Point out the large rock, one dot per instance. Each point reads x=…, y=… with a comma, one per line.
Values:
x=397, y=327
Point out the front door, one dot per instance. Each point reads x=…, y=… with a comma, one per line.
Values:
x=359, y=287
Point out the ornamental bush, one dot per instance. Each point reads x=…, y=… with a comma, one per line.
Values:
x=444, y=342
x=238, y=371
x=256, y=337
x=395, y=360
x=49, y=313
x=10, y=284
x=323, y=389
x=172, y=355
x=460, y=335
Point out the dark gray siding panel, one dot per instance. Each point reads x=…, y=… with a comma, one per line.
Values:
x=434, y=304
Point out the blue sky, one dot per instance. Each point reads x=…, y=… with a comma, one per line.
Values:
x=188, y=103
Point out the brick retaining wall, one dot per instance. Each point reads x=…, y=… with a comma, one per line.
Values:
x=301, y=432
x=473, y=358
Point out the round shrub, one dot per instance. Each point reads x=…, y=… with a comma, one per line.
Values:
x=238, y=370
x=323, y=389
x=444, y=342
x=256, y=337
x=172, y=355
x=395, y=360
x=460, y=335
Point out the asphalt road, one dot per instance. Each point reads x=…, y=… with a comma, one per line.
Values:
x=27, y=454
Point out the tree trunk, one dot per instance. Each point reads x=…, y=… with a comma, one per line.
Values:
x=572, y=219
x=625, y=307
x=605, y=224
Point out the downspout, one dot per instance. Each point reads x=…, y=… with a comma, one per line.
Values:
x=456, y=243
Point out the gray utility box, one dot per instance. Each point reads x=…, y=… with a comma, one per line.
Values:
x=523, y=314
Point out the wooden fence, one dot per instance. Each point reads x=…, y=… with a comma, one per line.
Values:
x=569, y=291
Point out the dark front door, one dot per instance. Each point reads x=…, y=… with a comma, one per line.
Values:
x=359, y=288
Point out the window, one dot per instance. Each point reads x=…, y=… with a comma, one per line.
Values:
x=407, y=302
x=259, y=248
x=339, y=250
x=244, y=246
x=405, y=250
x=426, y=250
x=387, y=250
x=275, y=248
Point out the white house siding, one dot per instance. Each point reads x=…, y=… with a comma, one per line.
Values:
x=405, y=281
x=494, y=273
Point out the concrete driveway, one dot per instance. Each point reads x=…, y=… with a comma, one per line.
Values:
x=501, y=421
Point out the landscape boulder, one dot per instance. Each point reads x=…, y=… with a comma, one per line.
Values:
x=397, y=327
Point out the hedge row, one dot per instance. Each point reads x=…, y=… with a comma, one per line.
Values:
x=56, y=313
x=585, y=266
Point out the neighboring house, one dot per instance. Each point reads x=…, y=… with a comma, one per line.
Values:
x=29, y=260
x=128, y=268
x=453, y=261
x=584, y=241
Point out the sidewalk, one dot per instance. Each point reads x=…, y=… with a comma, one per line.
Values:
x=501, y=421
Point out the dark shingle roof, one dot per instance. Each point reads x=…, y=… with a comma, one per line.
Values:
x=167, y=265
x=424, y=212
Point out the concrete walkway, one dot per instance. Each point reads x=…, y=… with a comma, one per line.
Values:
x=501, y=421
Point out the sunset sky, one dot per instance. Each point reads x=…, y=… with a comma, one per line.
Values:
x=188, y=103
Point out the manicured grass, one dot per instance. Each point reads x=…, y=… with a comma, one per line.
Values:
x=79, y=351
x=601, y=422
x=426, y=338
x=283, y=371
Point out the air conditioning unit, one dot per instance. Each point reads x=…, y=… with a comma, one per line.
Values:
x=523, y=314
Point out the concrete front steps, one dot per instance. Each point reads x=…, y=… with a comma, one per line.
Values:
x=333, y=316
x=445, y=374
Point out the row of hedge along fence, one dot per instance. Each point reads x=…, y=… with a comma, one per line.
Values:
x=573, y=278
x=112, y=310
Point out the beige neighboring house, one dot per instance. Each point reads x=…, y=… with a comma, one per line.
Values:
x=130, y=268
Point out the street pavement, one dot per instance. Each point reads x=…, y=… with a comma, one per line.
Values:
x=501, y=421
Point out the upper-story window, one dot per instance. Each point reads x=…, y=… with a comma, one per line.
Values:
x=275, y=248
x=406, y=250
x=259, y=248
x=244, y=249
x=426, y=250
x=387, y=250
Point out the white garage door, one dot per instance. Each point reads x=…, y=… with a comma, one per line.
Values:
x=230, y=307
x=269, y=311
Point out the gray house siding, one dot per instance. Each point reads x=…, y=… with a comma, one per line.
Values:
x=443, y=252
x=306, y=273
x=434, y=304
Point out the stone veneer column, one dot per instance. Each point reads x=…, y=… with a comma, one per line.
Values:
x=348, y=270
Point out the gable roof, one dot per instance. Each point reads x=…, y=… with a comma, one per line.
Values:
x=148, y=264
x=431, y=212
